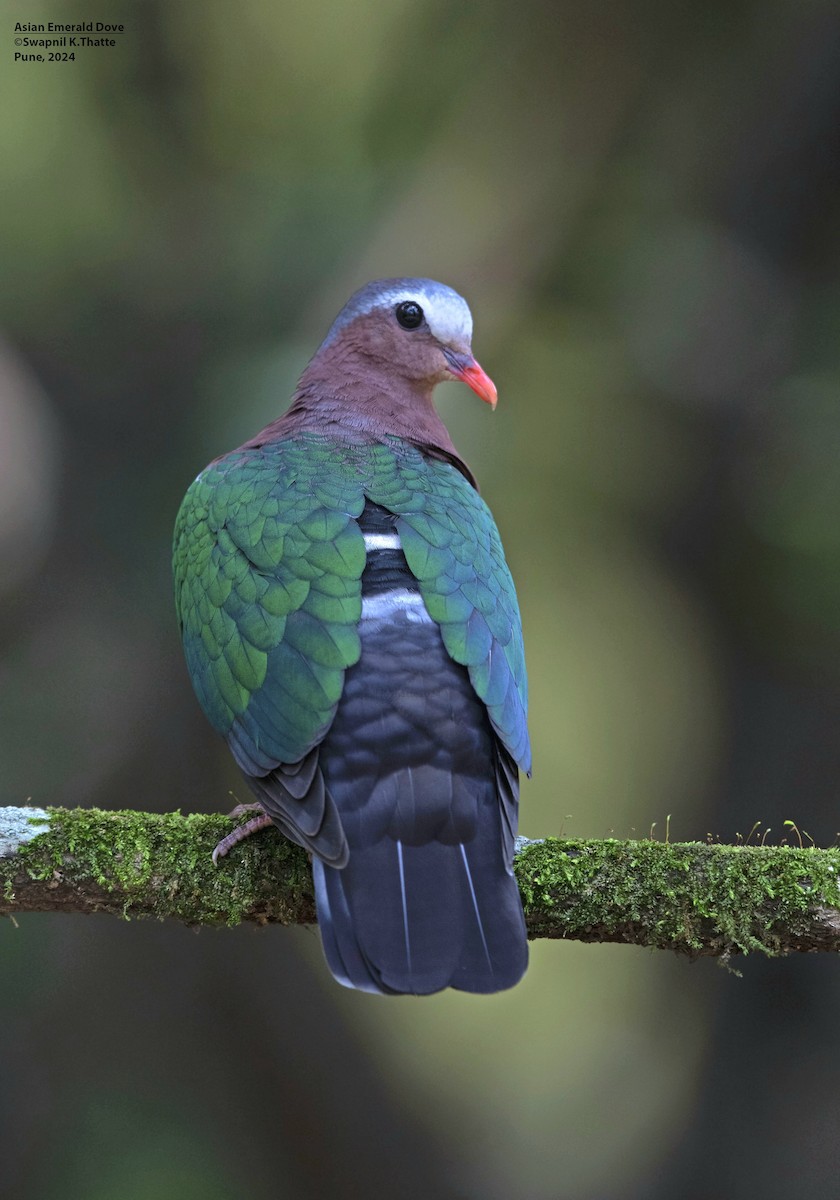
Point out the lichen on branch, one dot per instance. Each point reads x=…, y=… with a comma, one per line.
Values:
x=690, y=897
x=134, y=864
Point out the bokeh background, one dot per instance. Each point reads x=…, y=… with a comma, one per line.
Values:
x=641, y=202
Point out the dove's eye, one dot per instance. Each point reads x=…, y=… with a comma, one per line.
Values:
x=409, y=314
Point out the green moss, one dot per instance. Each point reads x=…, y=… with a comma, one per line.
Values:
x=690, y=897
x=161, y=865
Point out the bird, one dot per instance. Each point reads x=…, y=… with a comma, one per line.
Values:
x=351, y=627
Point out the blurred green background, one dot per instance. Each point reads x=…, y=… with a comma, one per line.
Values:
x=640, y=201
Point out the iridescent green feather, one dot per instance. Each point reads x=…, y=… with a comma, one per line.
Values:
x=452, y=546
x=268, y=563
x=268, y=560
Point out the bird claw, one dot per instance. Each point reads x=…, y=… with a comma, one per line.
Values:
x=239, y=809
x=241, y=832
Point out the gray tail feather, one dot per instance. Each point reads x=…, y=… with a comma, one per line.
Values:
x=416, y=919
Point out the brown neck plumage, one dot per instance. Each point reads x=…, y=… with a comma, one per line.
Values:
x=351, y=392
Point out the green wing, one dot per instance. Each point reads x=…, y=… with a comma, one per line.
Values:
x=453, y=548
x=268, y=562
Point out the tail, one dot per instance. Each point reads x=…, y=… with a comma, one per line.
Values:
x=415, y=919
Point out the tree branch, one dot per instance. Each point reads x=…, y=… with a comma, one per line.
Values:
x=690, y=897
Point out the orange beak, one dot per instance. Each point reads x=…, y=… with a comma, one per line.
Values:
x=465, y=368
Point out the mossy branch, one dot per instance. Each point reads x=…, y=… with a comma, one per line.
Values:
x=691, y=897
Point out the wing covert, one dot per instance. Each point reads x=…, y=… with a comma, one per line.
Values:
x=268, y=562
x=453, y=549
